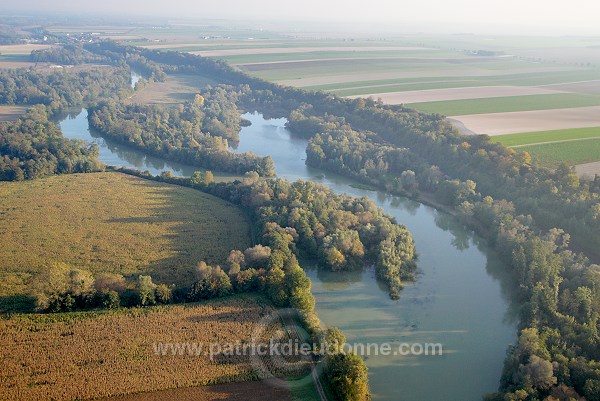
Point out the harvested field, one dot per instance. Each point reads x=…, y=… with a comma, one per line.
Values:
x=22, y=49
x=530, y=121
x=16, y=64
x=591, y=87
x=111, y=222
x=260, y=391
x=481, y=92
x=176, y=89
x=11, y=113
x=287, y=50
x=320, y=73
x=207, y=44
x=101, y=354
x=588, y=170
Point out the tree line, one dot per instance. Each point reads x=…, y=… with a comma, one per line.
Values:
x=61, y=89
x=194, y=133
x=33, y=147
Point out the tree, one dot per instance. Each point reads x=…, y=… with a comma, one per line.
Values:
x=538, y=372
x=145, y=290
x=163, y=294
x=347, y=374
x=257, y=256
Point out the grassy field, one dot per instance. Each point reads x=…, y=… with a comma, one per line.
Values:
x=101, y=354
x=571, y=153
x=111, y=222
x=176, y=89
x=547, y=136
x=508, y=104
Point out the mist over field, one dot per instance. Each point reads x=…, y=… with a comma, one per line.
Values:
x=505, y=17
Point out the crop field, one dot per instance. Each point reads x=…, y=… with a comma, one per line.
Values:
x=529, y=138
x=506, y=104
x=579, y=147
x=475, y=92
x=101, y=354
x=111, y=222
x=572, y=152
x=578, y=81
x=11, y=113
x=226, y=392
x=531, y=121
x=22, y=49
x=176, y=89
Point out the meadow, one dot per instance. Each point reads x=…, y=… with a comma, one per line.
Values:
x=111, y=222
x=177, y=89
x=109, y=353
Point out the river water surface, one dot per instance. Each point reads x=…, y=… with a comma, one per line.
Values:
x=461, y=298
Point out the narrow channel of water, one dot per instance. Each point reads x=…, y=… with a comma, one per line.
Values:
x=461, y=298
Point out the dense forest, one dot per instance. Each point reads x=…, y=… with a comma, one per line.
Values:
x=195, y=133
x=33, y=147
x=60, y=89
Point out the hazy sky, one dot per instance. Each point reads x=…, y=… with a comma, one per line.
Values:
x=533, y=16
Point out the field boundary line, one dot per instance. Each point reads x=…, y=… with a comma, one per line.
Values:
x=551, y=142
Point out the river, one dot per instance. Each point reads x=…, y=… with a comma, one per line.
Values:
x=461, y=298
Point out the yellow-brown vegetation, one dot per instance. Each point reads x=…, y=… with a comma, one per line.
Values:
x=98, y=354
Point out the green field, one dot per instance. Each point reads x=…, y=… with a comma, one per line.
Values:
x=443, y=82
x=111, y=222
x=508, y=104
x=405, y=55
x=571, y=153
x=547, y=136
x=424, y=67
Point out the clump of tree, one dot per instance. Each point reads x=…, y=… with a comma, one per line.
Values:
x=68, y=54
x=33, y=147
x=62, y=89
x=191, y=133
x=342, y=232
x=347, y=376
x=63, y=288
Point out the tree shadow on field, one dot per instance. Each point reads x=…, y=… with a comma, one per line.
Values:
x=201, y=227
x=19, y=303
x=242, y=391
